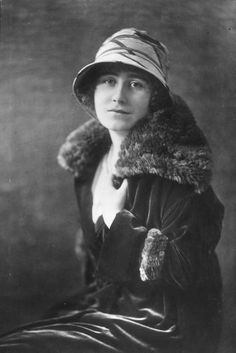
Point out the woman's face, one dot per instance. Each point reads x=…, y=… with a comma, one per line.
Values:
x=122, y=98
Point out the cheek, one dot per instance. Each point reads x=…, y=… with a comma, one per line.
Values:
x=101, y=96
x=100, y=106
x=96, y=96
x=97, y=100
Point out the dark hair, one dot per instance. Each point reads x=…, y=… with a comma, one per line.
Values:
x=160, y=98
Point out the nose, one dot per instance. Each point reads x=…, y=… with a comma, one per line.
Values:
x=119, y=93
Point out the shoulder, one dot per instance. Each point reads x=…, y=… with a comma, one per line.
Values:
x=158, y=190
x=153, y=185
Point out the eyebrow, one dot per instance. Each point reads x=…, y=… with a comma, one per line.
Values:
x=131, y=74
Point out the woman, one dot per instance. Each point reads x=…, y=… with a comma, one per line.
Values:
x=150, y=220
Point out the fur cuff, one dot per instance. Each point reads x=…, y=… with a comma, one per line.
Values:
x=153, y=254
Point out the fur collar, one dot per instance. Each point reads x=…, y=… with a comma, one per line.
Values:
x=169, y=144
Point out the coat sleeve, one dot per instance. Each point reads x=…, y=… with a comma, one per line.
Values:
x=177, y=262
x=192, y=227
x=176, y=253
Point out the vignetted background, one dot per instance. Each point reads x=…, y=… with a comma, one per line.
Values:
x=43, y=44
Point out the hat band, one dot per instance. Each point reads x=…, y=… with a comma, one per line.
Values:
x=132, y=53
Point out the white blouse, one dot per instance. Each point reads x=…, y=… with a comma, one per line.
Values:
x=102, y=178
x=99, y=181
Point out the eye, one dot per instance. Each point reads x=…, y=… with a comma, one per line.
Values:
x=106, y=80
x=138, y=84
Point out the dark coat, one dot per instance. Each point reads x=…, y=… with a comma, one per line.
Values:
x=153, y=280
x=160, y=250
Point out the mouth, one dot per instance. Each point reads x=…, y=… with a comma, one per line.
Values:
x=118, y=111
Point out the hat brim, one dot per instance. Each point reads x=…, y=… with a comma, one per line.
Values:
x=117, y=58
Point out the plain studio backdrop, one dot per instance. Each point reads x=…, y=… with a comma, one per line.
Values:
x=43, y=44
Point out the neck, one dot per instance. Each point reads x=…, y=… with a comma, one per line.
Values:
x=117, y=138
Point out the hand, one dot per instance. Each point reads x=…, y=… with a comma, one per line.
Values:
x=113, y=201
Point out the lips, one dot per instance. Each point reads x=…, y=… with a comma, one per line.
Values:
x=118, y=111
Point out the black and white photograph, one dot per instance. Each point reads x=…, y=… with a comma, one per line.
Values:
x=117, y=178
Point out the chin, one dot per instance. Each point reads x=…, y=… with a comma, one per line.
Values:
x=118, y=128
